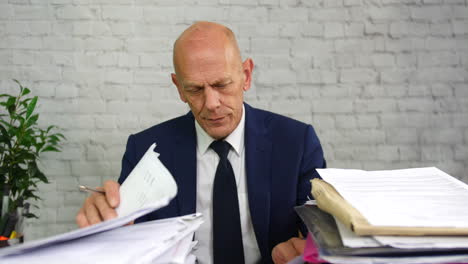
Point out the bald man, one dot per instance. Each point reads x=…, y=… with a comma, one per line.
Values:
x=270, y=158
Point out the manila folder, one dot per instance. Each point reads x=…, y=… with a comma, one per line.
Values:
x=330, y=201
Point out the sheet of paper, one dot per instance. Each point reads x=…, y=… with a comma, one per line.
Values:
x=190, y=259
x=191, y=223
x=78, y=233
x=421, y=197
x=424, y=241
x=350, y=239
x=141, y=243
x=178, y=253
x=149, y=184
x=297, y=260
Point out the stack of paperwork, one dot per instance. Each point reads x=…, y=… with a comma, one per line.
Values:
x=149, y=187
x=160, y=241
x=398, y=216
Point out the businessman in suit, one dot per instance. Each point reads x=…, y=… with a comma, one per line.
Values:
x=242, y=167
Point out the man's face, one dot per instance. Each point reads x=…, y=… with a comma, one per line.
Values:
x=212, y=81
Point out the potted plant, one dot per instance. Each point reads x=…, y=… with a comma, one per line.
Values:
x=21, y=143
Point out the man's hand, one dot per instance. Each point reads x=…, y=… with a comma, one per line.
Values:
x=99, y=207
x=287, y=251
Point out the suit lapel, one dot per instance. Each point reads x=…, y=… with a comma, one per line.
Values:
x=258, y=167
x=185, y=166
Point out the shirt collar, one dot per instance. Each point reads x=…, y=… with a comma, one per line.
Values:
x=236, y=138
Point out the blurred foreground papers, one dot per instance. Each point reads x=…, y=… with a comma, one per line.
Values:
x=149, y=187
x=160, y=241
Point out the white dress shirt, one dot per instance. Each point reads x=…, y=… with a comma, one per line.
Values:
x=207, y=162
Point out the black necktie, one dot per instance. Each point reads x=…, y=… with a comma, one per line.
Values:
x=227, y=234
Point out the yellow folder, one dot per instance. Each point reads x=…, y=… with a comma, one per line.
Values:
x=330, y=201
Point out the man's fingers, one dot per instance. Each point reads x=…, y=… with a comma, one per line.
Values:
x=298, y=244
x=287, y=251
x=284, y=252
x=92, y=214
x=112, y=193
x=95, y=210
x=103, y=207
x=99, y=207
x=80, y=219
x=276, y=255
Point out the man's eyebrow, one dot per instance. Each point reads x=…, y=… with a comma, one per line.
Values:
x=192, y=84
x=224, y=80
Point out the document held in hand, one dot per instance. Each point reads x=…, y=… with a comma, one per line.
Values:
x=149, y=187
x=414, y=202
x=149, y=184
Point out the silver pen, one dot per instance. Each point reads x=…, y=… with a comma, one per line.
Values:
x=89, y=189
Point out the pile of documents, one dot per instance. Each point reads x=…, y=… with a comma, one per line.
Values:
x=161, y=241
x=399, y=216
x=149, y=187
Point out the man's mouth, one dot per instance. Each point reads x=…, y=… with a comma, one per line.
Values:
x=215, y=119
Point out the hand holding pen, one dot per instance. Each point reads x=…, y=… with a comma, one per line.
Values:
x=89, y=189
x=100, y=205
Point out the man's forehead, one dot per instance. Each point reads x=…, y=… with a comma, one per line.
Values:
x=205, y=66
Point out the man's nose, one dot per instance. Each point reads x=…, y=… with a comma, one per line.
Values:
x=212, y=98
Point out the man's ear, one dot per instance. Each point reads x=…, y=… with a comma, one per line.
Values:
x=179, y=87
x=247, y=68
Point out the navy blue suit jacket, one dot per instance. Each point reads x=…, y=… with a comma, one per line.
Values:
x=281, y=157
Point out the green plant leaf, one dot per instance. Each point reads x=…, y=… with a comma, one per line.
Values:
x=10, y=101
x=32, y=168
x=24, y=155
x=35, y=197
x=61, y=135
x=49, y=128
x=7, y=125
x=38, y=146
x=21, y=120
x=41, y=176
x=25, y=102
x=31, y=107
x=50, y=148
x=5, y=137
x=16, y=81
x=25, y=91
x=30, y=215
x=10, y=104
x=32, y=120
x=53, y=138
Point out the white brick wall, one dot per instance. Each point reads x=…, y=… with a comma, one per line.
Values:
x=384, y=82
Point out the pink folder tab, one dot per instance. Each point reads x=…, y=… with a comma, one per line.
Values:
x=311, y=254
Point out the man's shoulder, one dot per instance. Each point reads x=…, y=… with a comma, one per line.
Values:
x=273, y=119
x=279, y=128
x=167, y=128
